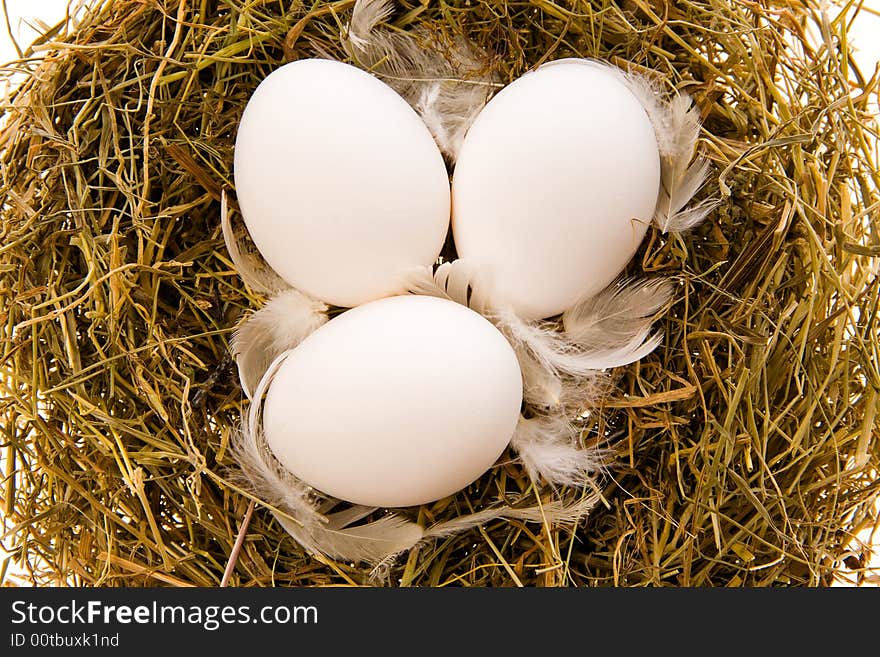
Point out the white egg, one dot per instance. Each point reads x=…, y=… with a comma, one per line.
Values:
x=340, y=183
x=398, y=402
x=555, y=185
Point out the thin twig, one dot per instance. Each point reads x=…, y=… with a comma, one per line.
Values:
x=239, y=541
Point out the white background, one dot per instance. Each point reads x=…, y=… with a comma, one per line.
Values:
x=24, y=17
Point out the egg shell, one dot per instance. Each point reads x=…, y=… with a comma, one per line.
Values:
x=395, y=403
x=555, y=185
x=339, y=181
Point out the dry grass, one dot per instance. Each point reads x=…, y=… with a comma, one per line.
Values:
x=748, y=442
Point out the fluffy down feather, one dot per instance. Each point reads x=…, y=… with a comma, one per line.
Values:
x=548, y=447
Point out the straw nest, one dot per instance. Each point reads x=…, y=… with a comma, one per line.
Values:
x=746, y=446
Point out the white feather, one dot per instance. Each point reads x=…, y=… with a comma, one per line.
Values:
x=420, y=280
x=372, y=543
x=614, y=326
x=344, y=517
x=546, y=390
x=542, y=388
x=678, y=184
x=548, y=447
x=250, y=265
x=642, y=344
x=554, y=352
x=265, y=475
x=541, y=341
x=676, y=122
x=285, y=321
x=616, y=315
x=365, y=18
x=447, y=83
x=460, y=281
x=449, y=107
x=559, y=374
x=554, y=512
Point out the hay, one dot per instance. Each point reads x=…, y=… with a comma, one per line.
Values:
x=747, y=443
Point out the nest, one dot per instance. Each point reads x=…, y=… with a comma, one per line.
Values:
x=746, y=446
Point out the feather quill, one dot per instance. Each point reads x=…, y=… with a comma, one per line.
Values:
x=447, y=84
x=543, y=388
x=372, y=543
x=571, y=396
x=285, y=321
